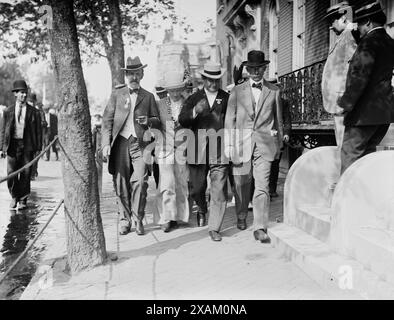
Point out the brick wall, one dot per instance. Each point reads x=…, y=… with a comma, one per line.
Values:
x=285, y=45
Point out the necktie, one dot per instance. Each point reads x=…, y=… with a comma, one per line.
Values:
x=257, y=85
x=19, y=113
x=133, y=91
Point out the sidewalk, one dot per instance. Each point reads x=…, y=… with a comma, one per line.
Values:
x=182, y=264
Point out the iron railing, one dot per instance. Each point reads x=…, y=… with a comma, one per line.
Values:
x=302, y=88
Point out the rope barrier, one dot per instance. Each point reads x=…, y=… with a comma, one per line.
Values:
x=15, y=173
x=31, y=244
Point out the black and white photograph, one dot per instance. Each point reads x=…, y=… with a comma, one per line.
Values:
x=196, y=155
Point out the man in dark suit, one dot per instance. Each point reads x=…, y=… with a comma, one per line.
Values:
x=130, y=112
x=368, y=100
x=20, y=138
x=204, y=112
x=50, y=132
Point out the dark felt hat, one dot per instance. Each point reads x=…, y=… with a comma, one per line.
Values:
x=19, y=85
x=368, y=11
x=256, y=58
x=338, y=9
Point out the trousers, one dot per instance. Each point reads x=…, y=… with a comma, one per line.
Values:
x=130, y=179
x=260, y=172
x=17, y=157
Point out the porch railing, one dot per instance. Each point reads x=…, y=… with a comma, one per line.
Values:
x=302, y=88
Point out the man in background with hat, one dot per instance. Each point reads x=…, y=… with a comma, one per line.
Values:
x=254, y=136
x=173, y=202
x=20, y=139
x=368, y=100
x=50, y=131
x=204, y=112
x=130, y=112
x=337, y=63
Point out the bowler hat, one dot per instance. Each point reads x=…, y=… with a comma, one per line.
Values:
x=213, y=70
x=133, y=64
x=338, y=9
x=33, y=97
x=19, y=85
x=256, y=58
x=368, y=11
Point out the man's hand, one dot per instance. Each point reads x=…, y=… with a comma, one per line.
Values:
x=202, y=106
x=106, y=151
x=3, y=154
x=286, y=138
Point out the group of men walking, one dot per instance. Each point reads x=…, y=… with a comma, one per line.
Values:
x=24, y=129
x=210, y=132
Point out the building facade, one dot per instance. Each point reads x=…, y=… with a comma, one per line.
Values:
x=296, y=39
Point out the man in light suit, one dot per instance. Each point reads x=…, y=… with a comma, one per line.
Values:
x=130, y=112
x=254, y=115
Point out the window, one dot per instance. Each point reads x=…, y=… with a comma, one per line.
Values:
x=298, y=34
x=273, y=39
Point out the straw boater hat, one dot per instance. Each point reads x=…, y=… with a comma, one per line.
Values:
x=256, y=58
x=173, y=80
x=338, y=9
x=133, y=64
x=368, y=11
x=213, y=70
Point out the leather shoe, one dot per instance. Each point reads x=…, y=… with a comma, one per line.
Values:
x=241, y=224
x=215, y=236
x=139, y=228
x=201, y=219
x=262, y=236
x=174, y=224
x=124, y=230
x=166, y=227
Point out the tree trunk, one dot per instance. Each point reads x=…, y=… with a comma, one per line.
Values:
x=85, y=235
x=116, y=53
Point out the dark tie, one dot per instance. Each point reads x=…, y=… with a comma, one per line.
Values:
x=258, y=86
x=19, y=113
x=133, y=91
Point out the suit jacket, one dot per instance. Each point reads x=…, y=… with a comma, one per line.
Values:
x=368, y=98
x=32, y=136
x=212, y=119
x=254, y=121
x=117, y=111
x=170, y=129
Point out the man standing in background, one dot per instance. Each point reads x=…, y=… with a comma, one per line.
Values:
x=50, y=132
x=368, y=100
x=337, y=63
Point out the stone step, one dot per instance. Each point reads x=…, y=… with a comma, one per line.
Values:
x=344, y=276
x=374, y=248
x=315, y=221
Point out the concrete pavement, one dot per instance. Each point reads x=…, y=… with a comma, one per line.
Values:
x=182, y=264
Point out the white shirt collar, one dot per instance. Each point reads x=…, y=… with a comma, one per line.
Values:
x=252, y=81
x=208, y=93
x=375, y=29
